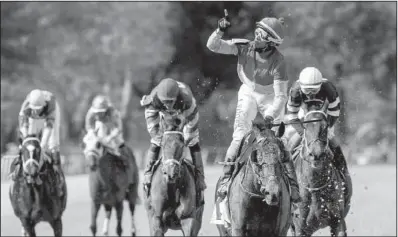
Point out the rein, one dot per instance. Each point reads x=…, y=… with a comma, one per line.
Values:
x=173, y=161
x=31, y=149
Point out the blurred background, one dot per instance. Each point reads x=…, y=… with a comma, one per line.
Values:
x=79, y=49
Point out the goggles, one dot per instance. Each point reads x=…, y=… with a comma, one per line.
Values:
x=310, y=91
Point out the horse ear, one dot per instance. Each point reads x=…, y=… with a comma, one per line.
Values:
x=281, y=130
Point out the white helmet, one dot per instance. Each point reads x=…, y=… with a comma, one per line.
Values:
x=310, y=80
x=36, y=99
x=100, y=103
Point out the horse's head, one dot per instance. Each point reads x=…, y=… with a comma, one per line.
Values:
x=266, y=163
x=172, y=148
x=315, y=138
x=30, y=154
x=93, y=150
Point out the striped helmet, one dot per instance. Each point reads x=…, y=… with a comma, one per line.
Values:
x=168, y=89
x=273, y=29
x=310, y=79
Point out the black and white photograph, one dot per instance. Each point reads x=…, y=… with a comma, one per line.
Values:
x=188, y=118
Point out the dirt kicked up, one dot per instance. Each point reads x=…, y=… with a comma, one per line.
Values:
x=373, y=208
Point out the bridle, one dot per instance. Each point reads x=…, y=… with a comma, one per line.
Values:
x=307, y=144
x=172, y=161
x=252, y=166
x=31, y=149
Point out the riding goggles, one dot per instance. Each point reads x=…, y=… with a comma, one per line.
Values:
x=310, y=91
x=261, y=35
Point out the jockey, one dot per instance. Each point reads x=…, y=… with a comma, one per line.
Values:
x=172, y=97
x=102, y=115
x=41, y=105
x=262, y=71
x=311, y=87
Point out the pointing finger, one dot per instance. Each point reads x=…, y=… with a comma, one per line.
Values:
x=225, y=12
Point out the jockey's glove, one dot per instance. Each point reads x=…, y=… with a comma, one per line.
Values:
x=106, y=140
x=268, y=120
x=224, y=23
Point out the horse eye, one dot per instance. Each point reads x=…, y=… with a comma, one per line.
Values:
x=97, y=145
x=178, y=121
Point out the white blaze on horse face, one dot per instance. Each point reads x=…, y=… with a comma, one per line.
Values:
x=31, y=148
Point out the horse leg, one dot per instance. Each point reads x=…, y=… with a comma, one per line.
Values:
x=57, y=227
x=156, y=227
x=94, y=212
x=236, y=231
x=222, y=231
x=338, y=226
x=188, y=226
x=108, y=212
x=29, y=227
x=132, y=210
x=119, y=216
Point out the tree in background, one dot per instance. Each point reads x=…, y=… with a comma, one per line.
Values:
x=76, y=49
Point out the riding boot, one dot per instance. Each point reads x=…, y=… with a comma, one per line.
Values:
x=125, y=156
x=199, y=173
x=291, y=174
x=56, y=156
x=225, y=177
x=341, y=165
x=151, y=157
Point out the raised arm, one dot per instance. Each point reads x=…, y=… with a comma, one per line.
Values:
x=216, y=44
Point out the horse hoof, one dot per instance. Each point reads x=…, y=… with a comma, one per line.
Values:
x=133, y=234
x=105, y=233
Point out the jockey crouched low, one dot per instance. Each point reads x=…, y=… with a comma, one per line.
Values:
x=262, y=70
x=173, y=98
x=312, y=88
x=105, y=121
x=41, y=105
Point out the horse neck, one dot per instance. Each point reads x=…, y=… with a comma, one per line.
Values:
x=249, y=178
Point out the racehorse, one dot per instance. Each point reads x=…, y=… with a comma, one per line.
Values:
x=321, y=185
x=258, y=199
x=109, y=184
x=171, y=203
x=33, y=195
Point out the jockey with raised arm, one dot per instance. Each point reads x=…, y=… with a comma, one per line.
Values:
x=262, y=71
x=312, y=88
x=104, y=120
x=171, y=97
x=40, y=114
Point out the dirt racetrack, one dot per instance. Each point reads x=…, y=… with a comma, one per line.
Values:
x=373, y=210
